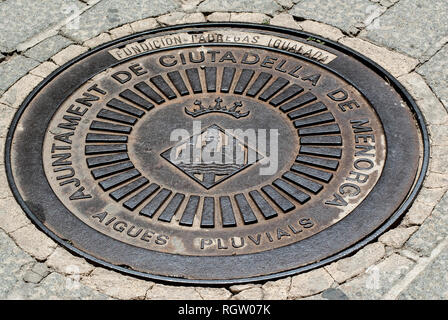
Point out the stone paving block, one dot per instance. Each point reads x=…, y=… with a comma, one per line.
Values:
x=5, y=191
x=286, y=4
x=432, y=109
x=180, y=18
x=378, y=279
x=113, y=13
x=218, y=16
x=90, y=2
x=409, y=254
x=32, y=277
x=98, y=40
x=237, y=288
x=397, y=237
x=20, y=90
x=432, y=231
x=386, y=3
x=310, y=283
x=436, y=180
x=315, y=297
x=344, y=14
x=36, y=243
x=12, y=216
x=439, y=157
x=334, y=294
x=189, y=5
x=37, y=272
x=396, y=63
x=47, y=48
x=432, y=283
x=277, y=290
x=417, y=213
x=121, y=31
x=411, y=27
x=321, y=29
x=430, y=196
x=7, y=114
x=43, y=70
x=12, y=259
x=2, y=149
x=285, y=20
x=435, y=73
x=434, y=49
x=347, y=268
x=68, y=54
x=54, y=287
x=249, y=17
x=41, y=269
x=214, y=293
x=255, y=293
x=31, y=18
x=145, y=24
x=121, y=287
x=66, y=263
x=15, y=68
x=163, y=292
x=438, y=135
x=262, y=6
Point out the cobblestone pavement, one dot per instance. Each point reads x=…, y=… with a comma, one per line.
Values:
x=407, y=37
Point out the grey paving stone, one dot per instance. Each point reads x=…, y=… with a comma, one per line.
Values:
x=386, y=3
x=334, y=294
x=47, y=48
x=412, y=27
x=15, y=68
x=20, y=20
x=432, y=283
x=378, y=279
x=41, y=269
x=435, y=73
x=344, y=14
x=287, y=4
x=108, y=14
x=262, y=6
x=32, y=277
x=12, y=259
x=54, y=287
x=432, y=231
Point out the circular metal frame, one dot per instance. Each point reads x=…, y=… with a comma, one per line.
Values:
x=30, y=208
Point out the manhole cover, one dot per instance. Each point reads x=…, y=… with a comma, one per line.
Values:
x=216, y=153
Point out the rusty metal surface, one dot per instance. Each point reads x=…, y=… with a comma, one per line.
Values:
x=95, y=153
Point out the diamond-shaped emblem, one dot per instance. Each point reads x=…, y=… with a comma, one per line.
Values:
x=211, y=156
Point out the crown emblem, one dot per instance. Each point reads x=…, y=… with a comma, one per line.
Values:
x=233, y=111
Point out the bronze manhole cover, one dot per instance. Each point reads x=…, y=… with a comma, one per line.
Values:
x=216, y=153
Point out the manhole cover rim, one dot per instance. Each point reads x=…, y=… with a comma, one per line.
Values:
x=370, y=64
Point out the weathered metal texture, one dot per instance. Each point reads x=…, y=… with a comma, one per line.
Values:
x=93, y=153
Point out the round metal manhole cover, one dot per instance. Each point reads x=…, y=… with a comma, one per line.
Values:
x=216, y=153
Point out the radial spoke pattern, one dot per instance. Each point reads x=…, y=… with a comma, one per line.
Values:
x=319, y=153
